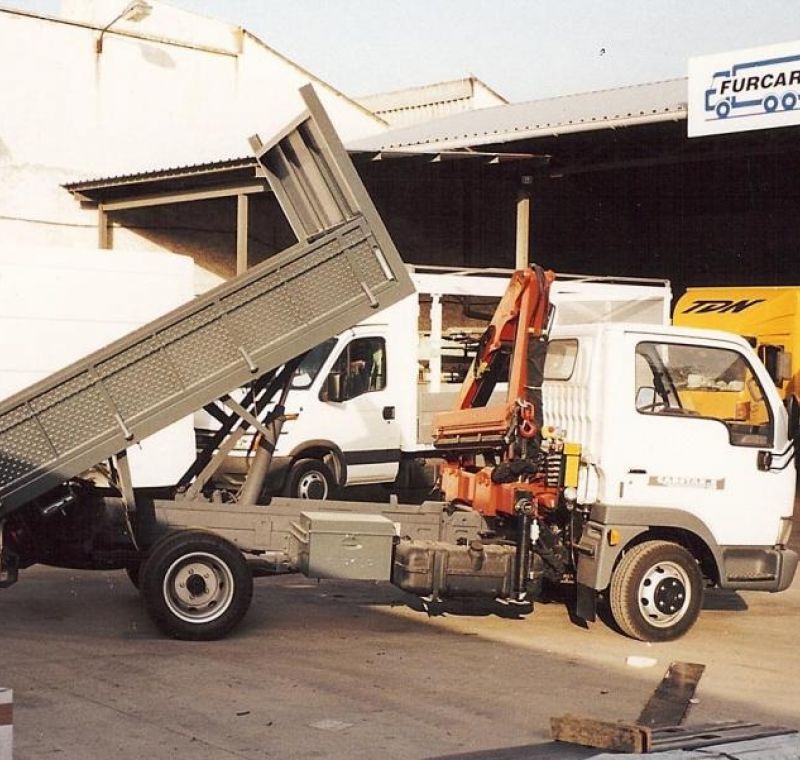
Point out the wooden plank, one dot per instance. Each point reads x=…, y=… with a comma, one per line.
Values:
x=601, y=734
x=670, y=701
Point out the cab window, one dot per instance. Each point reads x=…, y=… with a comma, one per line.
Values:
x=703, y=381
x=360, y=368
x=559, y=364
x=312, y=362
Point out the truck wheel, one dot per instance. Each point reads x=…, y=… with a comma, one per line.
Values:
x=310, y=479
x=656, y=591
x=196, y=585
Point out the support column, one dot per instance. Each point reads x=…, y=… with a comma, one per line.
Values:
x=435, y=361
x=241, y=233
x=523, y=223
x=105, y=236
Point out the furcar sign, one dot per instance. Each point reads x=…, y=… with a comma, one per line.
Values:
x=743, y=90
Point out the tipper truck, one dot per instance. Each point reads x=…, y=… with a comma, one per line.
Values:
x=594, y=469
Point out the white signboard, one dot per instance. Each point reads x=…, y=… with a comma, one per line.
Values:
x=757, y=88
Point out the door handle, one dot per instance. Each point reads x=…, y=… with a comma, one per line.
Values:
x=637, y=472
x=388, y=413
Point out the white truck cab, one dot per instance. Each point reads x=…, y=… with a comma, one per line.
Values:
x=685, y=443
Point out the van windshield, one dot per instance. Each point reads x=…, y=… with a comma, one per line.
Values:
x=309, y=368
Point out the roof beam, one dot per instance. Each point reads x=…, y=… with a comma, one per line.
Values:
x=187, y=196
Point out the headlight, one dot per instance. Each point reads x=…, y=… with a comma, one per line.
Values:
x=571, y=494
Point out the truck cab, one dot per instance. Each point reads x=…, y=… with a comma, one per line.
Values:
x=685, y=443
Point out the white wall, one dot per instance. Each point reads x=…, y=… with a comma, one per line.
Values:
x=58, y=304
x=187, y=90
x=147, y=103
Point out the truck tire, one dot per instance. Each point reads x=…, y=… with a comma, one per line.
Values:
x=656, y=591
x=310, y=479
x=196, y=585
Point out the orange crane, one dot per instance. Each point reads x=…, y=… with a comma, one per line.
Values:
x=509, y=435
x=499, y=459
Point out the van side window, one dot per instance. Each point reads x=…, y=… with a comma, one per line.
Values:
x=703, y=381
x=361, y=367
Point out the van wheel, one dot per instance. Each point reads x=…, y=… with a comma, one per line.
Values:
x=656, y=591
x=196, y=585
x=310, y=479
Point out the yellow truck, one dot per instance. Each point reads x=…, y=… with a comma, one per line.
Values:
x=768, y=317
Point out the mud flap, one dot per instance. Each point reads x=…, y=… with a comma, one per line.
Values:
x=586, y=603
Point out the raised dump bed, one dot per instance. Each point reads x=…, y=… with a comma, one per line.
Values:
x=344, y=268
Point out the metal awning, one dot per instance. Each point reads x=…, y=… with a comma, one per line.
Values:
x=238, y=179
x=236, y=176
x=195, y=179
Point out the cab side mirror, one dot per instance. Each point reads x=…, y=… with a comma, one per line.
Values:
x=333, y=390
x=777, y=362
x=793, y=408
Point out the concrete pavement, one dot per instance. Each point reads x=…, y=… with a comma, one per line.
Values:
x=336, y=669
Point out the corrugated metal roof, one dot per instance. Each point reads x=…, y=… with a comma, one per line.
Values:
x=620, y=106
x=204, y=173
x=175, y=172
x=425, y=95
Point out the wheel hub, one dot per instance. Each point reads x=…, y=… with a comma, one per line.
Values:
x=664, y=594
x=196, y=584
x=669, y=596
x=198, y=588
x=312, y=486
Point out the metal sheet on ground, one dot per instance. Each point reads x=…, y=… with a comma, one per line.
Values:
x=671, y=699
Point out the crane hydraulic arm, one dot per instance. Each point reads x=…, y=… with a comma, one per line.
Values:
x=508, y=435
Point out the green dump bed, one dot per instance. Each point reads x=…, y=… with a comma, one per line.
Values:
x=343, y=269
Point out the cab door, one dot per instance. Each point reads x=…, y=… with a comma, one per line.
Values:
x=360, y=403
x=695, y=421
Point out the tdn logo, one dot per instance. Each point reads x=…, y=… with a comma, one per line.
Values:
x=721, y=306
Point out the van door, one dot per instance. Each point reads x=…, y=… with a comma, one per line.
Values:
x=360, y=404
x=695, y=420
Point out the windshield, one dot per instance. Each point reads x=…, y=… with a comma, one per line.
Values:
x=309, y=368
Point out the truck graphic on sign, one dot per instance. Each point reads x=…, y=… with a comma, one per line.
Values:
x=753, y=88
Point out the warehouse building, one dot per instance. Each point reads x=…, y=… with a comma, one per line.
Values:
x=616, y=185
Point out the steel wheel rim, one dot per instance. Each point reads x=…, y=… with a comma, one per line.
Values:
x=198, y=587
x=312, y=486
x=664, y=594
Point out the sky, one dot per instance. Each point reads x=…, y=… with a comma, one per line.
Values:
x=524, y=49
